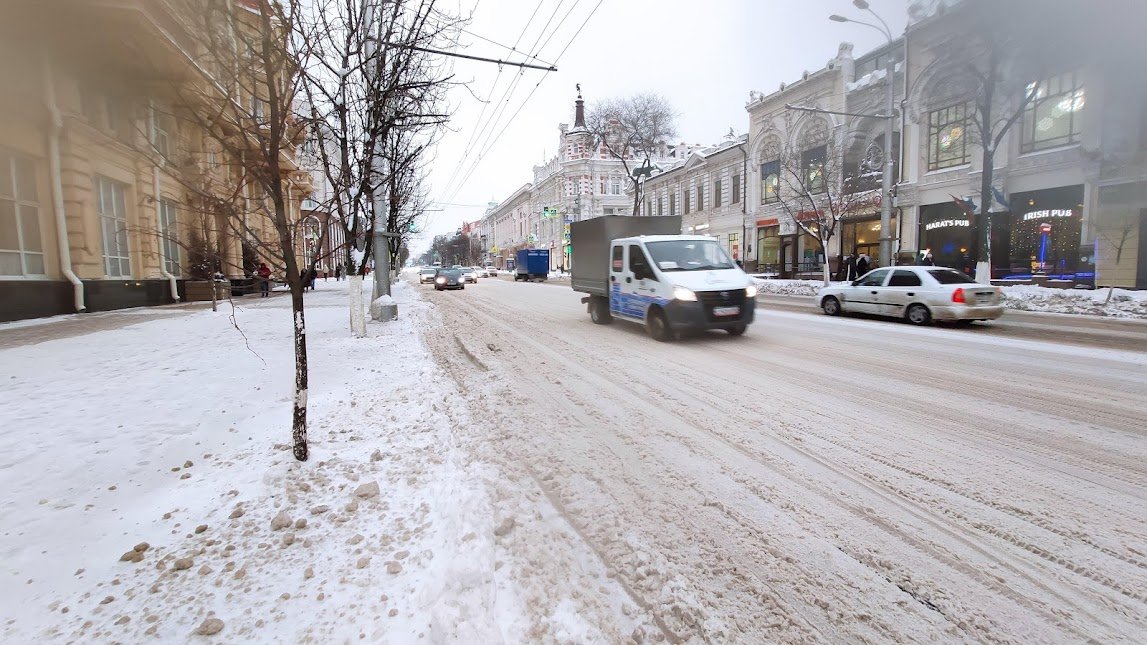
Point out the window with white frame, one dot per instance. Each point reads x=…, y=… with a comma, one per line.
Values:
x=615, y=186
x=112, y=208
x=21, y=247
x=169, y=237
x=717, y=194
x=1053, y=118
x=700, y=197
x=160, y=132
x=672, y=203
x=770, y=181
x=736, y=189
x=685, y=200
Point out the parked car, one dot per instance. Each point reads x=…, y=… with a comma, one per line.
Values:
x=919, y=294
x=427, y=274
x=449, y=279
x=471, y=274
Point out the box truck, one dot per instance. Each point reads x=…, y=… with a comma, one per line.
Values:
x=532, y=264
x=643, y=270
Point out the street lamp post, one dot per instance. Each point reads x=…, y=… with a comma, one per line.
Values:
x=890, y=107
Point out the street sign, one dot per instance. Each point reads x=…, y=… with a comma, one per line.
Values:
x=549, y=211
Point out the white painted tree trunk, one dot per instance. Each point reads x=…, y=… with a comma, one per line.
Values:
x=357, y=315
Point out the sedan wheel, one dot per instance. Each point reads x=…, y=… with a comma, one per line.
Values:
x=918, y=315
x=831, y=306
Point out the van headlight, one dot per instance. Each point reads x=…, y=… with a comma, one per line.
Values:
x=751, y=291
x=681, y=293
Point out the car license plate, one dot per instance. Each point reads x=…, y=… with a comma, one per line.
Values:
x=726, y=311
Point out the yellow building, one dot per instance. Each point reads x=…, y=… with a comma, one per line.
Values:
x=105, y=165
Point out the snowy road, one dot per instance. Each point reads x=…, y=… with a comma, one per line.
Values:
x=821, y=479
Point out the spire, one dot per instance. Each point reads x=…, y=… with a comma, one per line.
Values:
x=579, y=110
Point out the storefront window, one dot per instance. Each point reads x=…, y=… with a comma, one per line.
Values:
x=1045, y=233
x=946, y=231
x=768, y=249
x=863, y=236
x=1053, y=117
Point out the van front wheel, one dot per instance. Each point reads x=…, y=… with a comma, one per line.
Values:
x=658, y=326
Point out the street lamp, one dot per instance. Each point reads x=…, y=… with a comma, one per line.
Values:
x=886, y=180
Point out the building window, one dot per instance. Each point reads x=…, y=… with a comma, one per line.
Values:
x=169, y=237
x=112, y=210
x=615, y=186
x=21, y=248
x=672, y=204
x=685, y=200
x=1053, y=117
x=717, y=194
x=770, y=181
x=735, y=245
x=700, y=197
x=160, y=133
x=736, y=189
x=948, y=137
x=812, y=160
x=660, y=206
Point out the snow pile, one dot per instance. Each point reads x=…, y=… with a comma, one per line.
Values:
x=870, y=78
x=787, y=287
x=1123, y=303
x=150, y=489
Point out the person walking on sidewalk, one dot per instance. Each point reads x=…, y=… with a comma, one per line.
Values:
x=264, y=273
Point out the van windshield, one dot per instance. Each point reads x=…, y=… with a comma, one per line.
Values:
x=689, y=255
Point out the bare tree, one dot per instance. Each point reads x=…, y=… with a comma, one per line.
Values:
x=631, y=129
x=241, y=110
x=369, y=81
x=813, y=189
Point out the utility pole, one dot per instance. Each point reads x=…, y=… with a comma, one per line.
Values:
x=379, y=203
x=886, y=258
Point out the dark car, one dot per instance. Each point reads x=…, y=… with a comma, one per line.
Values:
x=449, y=279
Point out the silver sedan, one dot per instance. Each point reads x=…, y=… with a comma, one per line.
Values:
x=919, y=294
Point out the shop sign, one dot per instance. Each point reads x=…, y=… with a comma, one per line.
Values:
x=863, y=204
x=946, y=223
x=1048, y=214
x=788, y=226
x=762, y=223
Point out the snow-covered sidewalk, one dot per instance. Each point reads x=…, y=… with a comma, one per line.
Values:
x=1123, y=304
x=150, y=489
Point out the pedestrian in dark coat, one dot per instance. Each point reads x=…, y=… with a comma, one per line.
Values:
x=848, y=268
x=928, y=261
x=862, y=264
x=264, y=273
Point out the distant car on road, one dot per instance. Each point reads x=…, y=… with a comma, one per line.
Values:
x=918, y=294
x=491, y=271
x=471, y=274
x=427, y=274
x=449, y=279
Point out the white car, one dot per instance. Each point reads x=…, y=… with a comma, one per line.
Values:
x=919, y=294
x=491, y=271
x=471, y=274
x=427, y=275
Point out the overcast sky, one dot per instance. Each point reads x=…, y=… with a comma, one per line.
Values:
x=703, y=57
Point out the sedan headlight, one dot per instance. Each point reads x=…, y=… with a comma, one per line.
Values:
x=681, y=293
x=751, y=291
x=441, y=280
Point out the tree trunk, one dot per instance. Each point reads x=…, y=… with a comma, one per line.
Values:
x=636, y=198
x=984, y=225
x=299, y=416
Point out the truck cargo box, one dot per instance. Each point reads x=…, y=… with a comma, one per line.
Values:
x=590, y=239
